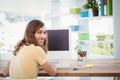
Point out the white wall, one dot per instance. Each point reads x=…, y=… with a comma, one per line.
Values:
x=116, y=21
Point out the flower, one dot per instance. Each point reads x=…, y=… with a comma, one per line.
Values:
x=82, y=53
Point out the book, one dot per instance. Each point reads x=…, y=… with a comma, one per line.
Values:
x=109, y=8
x=105, y=7
x=102, y=7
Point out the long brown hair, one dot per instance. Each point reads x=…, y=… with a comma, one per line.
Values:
x=29, y=37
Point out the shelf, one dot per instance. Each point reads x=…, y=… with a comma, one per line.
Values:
x=95, y=18
x=104, y=41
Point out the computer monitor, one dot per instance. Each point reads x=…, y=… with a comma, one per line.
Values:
x=58, y=40
x=58, y=43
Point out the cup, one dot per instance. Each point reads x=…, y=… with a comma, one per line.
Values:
x=81, y=61
x=81, y=58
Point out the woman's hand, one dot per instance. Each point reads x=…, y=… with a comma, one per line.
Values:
x=6, y=70
x=40, y=68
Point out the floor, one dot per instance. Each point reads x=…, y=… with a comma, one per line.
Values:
x=82, y=78
x=67, y=78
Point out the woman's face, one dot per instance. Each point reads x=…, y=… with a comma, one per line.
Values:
x=40, y=35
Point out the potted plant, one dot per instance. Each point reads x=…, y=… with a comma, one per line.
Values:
x=81, y=54
x=94, y=5
x=100, y=37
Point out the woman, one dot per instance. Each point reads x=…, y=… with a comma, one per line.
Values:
x=30, y=54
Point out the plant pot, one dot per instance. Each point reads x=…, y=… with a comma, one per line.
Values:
x=95, y=12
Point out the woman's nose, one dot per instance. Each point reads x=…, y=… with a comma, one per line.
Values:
x=43, y=35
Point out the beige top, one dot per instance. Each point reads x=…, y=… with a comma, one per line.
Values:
x=26, y=63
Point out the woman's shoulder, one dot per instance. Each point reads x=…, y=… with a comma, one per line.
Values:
x=36, y=49
x=33, y=47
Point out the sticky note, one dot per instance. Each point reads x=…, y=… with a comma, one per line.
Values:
x=89, y=65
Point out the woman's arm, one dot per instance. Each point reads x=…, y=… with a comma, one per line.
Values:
x=6, y=70
x=50, y=68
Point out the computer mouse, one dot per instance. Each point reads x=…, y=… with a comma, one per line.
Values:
x=75, y=68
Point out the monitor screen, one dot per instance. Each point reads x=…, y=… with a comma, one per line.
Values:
x=58, y=40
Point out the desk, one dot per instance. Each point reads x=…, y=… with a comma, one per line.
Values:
x=102, y=67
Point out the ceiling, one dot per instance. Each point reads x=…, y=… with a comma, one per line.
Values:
x=25, y=7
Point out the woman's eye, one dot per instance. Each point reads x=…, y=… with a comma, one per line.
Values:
x=45, y=32
x=39, y=32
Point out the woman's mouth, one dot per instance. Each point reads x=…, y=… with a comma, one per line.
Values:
x=41, y=42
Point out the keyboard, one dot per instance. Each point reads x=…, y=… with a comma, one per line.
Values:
x=61, y=65
x=58, y=64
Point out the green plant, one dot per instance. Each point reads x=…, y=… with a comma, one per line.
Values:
x=79, y=46
x=91, y=4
